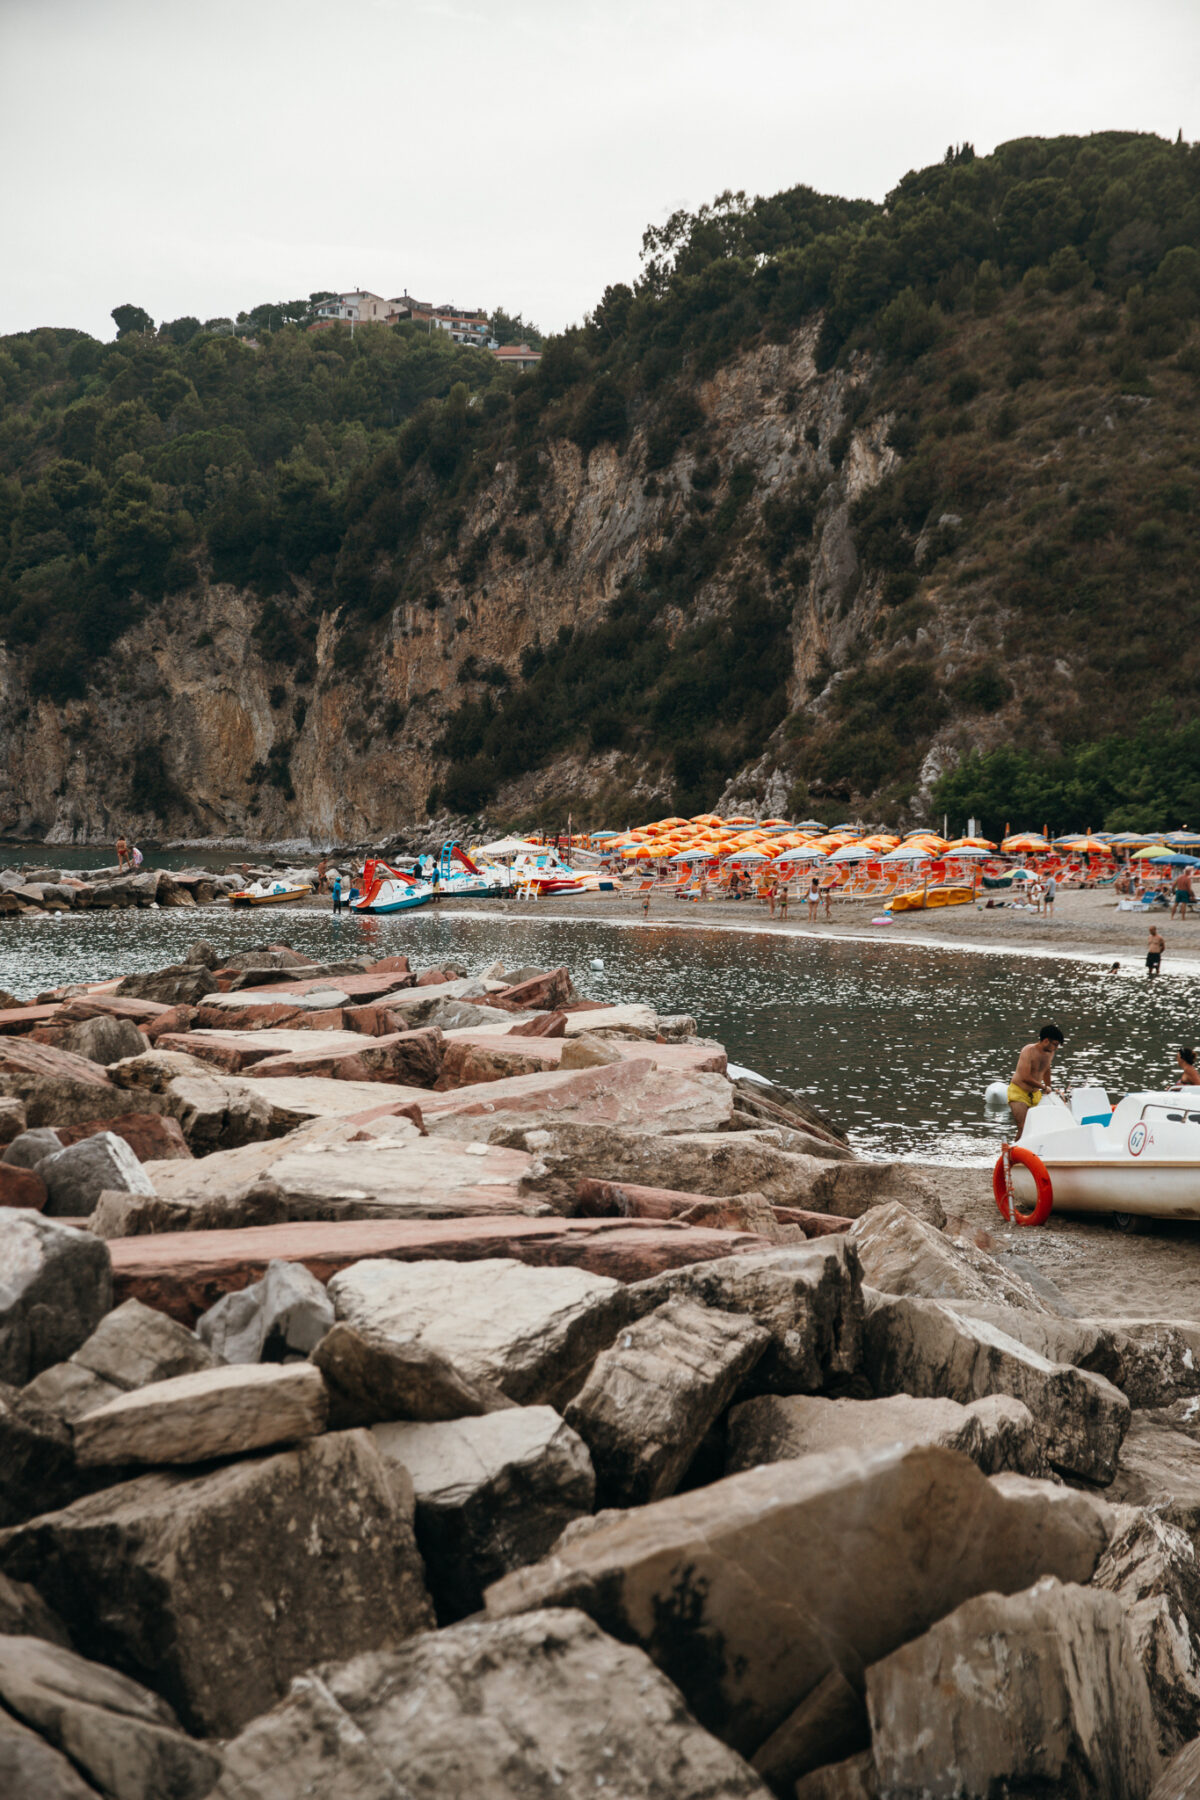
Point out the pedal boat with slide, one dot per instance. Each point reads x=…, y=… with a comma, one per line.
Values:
x=388, y=890
x=1138, y=1159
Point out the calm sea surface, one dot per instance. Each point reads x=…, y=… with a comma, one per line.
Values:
x=897, y=1042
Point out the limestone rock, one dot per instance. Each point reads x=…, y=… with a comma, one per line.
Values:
x=37, y=1464
x=1160, y=1468
x=218, y=1114
x=1151, y=1567
x=23, y=1613
x=492, y=1494
x=1161, y=1358
x=1180, y=1780
x=169, y=1577
x=921, y=1347
x=287, y=1313
x=69, y=1391
x=711, y=1584
x=78, y=1174
x=103, y=1039
x=853, y=1779
x=123, y=1738
x=372, y=1377
x=30, y=1148
x=31, y=1769
x=649, y=1400
x=808, y=1297
x=227, y=1411
x=134, y=1345
x=996, y=1433
x=533, y=1332
x=55, y=1287
x=830, y=1722
x=587, y=1051
x=1036, y=1692
x=12, y=1120
x=182, y=986
x=1079, y=1341
x=901, y=1254
x=853, y=1188
x=502, y=1710
x=139, y=1215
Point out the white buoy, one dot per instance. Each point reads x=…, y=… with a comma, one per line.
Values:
x=597, y=962
x=996, y=1096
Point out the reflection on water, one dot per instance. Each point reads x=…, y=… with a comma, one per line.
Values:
x=896, y=1042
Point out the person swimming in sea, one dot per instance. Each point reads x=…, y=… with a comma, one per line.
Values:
x=1031, y=1078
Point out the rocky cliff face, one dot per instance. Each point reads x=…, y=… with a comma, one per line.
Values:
x=190, y=730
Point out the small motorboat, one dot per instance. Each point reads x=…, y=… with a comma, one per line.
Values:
x=1140, y=1158
x=923, y=898
x=388, y=890
x=270, y=893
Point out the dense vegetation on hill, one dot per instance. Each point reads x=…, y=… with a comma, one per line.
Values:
x=1029, y=323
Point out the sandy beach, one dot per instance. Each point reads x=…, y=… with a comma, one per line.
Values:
x=1086, y=923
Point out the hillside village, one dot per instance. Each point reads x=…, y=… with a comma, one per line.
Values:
x=472, y=328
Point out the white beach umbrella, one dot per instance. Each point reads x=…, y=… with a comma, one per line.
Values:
x=908, y=853
x=743, y=856
x=853, y=853
x=802, y=853
x=695, y=856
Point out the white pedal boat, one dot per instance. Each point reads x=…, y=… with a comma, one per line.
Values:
x=1140, y=1158
x=388, y=890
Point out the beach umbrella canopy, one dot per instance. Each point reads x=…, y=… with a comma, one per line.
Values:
x=802, y=853
x=1178, y=838
x=1172, y=859
x=1089, y=846
x=853, y=853
x=1151, y=853
x=1023, y=843
x=693, y=856
x=909, y=853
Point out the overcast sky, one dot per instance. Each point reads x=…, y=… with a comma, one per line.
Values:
x=203, y=157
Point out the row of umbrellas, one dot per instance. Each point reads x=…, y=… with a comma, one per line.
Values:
x=708, y=838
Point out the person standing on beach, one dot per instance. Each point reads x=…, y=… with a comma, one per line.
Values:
x=814, y=899
x=1155, y=945
x=337, y=891
x=1050, y=892
x=1031, y=1078
x=784, y=896
x=122, y=852
x=1183, y=896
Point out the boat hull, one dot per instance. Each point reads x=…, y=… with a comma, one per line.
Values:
x=392, y=897
x=245, y=899
x=1155, y=1191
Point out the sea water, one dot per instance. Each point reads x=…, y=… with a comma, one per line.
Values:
x=897, y=1042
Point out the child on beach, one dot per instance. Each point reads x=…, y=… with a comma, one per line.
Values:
x=814, y=900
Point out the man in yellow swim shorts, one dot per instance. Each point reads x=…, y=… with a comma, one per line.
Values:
x=1032, y=1076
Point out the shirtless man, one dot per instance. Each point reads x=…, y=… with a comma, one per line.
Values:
x=1032, y=1077
x=1155, y=945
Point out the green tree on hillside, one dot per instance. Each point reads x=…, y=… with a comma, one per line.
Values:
x=130, y=319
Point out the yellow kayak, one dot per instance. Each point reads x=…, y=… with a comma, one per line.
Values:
x=920, y=899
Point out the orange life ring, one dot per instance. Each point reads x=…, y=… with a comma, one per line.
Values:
x=1011, y=1153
